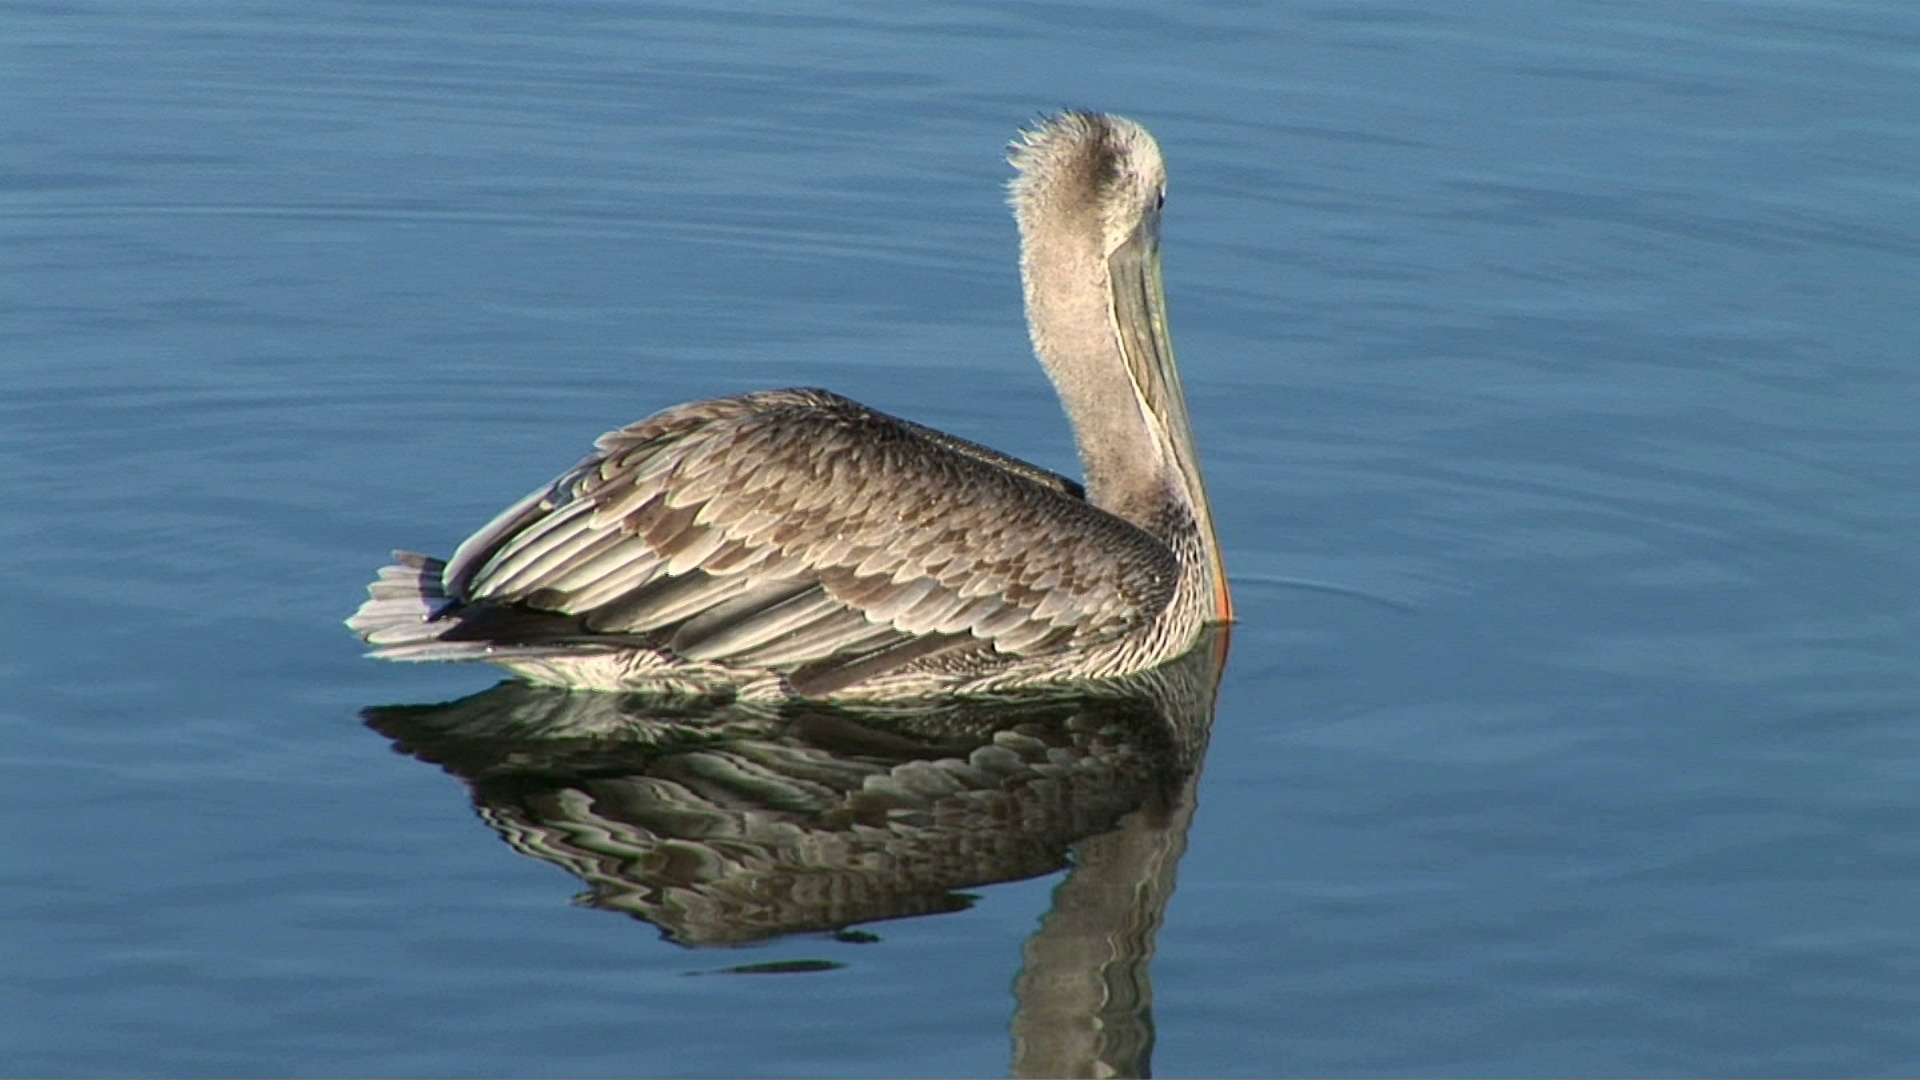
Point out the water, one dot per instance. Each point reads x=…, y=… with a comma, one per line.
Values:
x=1552, y=371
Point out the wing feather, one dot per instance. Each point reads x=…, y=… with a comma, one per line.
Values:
x=759, y=600
x=507, y=524
x=551, y=546
x=800, y=531
x=809, y=611
x=665, y=601
x=602, y=554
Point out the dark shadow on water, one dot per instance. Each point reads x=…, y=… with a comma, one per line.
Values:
x=726, y=824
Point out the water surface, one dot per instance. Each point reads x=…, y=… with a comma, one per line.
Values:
x=1552, y=369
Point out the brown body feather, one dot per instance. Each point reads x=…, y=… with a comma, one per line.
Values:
x=800, y=532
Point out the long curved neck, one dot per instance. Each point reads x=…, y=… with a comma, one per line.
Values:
x=1070, y=316
x=1108, y=355
x=1088, y=198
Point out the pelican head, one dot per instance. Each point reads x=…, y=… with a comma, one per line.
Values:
x=1087, y=197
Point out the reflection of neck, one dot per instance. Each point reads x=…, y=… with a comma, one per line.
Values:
x=1083, y=996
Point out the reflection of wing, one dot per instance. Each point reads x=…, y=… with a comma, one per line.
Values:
x=802, y=532
x=739, y=843
x=812, y=822
x=749, y=822
x=728, y=825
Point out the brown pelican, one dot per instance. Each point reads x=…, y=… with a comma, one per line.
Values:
x=798, y=542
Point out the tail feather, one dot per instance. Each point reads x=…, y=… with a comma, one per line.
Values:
x=409, y=616
x=403, y=603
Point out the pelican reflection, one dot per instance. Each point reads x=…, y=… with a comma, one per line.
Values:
x=735, y=823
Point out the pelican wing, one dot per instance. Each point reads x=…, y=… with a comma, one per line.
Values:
x=799, y=531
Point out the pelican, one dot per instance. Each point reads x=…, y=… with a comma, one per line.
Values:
x=796, y=542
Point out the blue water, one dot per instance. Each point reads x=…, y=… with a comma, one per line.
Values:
x=1553, y=370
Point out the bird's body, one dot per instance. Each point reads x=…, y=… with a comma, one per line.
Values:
x=795, y=541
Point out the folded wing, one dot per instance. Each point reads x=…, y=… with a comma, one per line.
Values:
x=799, y=531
